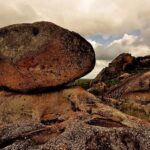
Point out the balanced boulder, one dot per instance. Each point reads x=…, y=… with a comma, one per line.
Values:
x=42, y=55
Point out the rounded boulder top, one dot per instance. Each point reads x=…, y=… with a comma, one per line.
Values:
x=42, y=54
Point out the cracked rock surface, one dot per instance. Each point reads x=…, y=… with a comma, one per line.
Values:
x=78, y=121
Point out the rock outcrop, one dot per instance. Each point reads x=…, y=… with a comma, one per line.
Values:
x=124, y=64
x=133, y=95
x=16, y=108
x=71, y=118
x=42, y=55
x=98, y=89
x=76, y=135
x=135, y=83
x=115, y=68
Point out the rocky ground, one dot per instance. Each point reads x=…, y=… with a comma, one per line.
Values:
x=128, y=89
x=46, y=114
x=68, y=119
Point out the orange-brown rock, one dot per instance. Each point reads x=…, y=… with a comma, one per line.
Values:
x=74, y=135
x=135, y=83
x=133, y=95
x=115, y=68
x=125, y=64
x=15, y=108
x=98, y=88
x=124, y=76
x=68, y=119
x=136, y=104
x=42, y=55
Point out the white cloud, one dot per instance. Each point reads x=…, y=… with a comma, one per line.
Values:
x=140, y=50
x=100, y=64
x=83, y=16
x=95, y=44
x=126, y=44
x=125, y=41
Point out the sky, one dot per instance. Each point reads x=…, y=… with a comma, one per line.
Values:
x=111, y=26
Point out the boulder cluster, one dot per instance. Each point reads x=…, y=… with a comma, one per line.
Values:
x=40, y=109
x=127, y=85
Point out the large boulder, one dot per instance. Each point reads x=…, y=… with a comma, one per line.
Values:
x=42, y=55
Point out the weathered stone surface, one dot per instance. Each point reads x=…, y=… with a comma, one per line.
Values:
x=115, y=68
x=124, y=76
x=133, y=95
x=122, y=65
x=42, y=55
x=16, y=108
x=73, y=135
x=135, y=83
x=98, y=88
x=67, y=119
x=136, y=104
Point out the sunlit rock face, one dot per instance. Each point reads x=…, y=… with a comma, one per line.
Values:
x=133, y=84
x=121, y=67
x=42, y=55
x=133, y=95
x=67, y=119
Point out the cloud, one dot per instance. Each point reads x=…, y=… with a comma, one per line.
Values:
x=144, y=37
x=15, y=13
x=100, y=64
x=83, y=16
x=126, y=44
